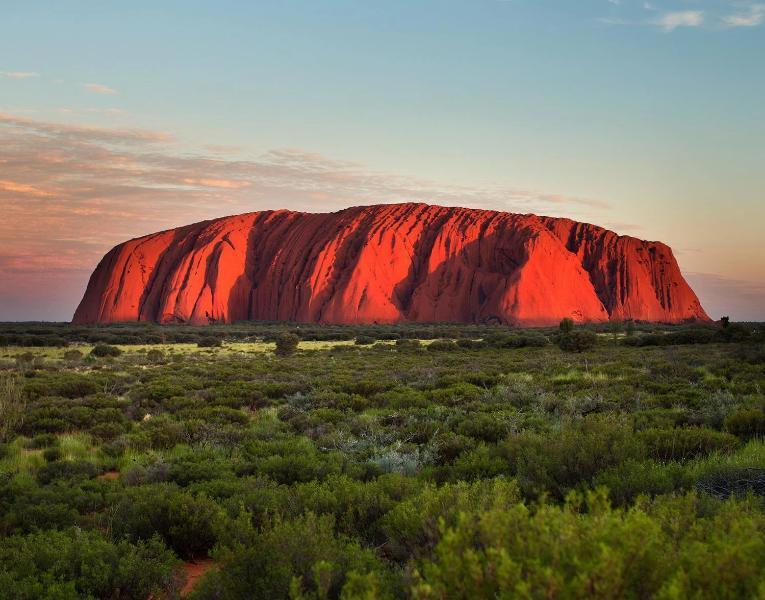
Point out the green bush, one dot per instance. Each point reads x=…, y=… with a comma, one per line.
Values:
x=302, y=558
x=187, y=524
x=442, y=346
x=104, y=350
x=607, y=553
x=43, y=440
x=686, y=443
x=578, y=340
x=154, y=355
x=414, y=526
x=563, y=460
x=73, y=356
x=64, y=469
x=406, y=344
x=746, y=423
x=286, y=344
x=79, y=564
x=52, y=454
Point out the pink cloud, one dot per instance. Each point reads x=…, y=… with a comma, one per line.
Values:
x=71, y=192
x=22, y=188
x=97, y=88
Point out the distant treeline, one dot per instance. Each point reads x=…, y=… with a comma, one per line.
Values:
x=638, y=334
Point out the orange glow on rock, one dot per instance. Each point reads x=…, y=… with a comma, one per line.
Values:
x=387, y=264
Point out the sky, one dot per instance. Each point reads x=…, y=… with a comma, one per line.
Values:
x=118, y=119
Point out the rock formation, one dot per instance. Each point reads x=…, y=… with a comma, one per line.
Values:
x=387, y=264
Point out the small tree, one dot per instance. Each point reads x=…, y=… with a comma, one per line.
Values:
x=725, y=322
x=630, y=331
x=567, y=325
x=286, y=344
x=12, y=407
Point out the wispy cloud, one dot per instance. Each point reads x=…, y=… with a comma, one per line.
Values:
x=710, y=15
x=97, y=88
x=18, y=74
x=753, y=16
x=96, y=187
x=684, y=18
x=74, y=134
x=21, y=188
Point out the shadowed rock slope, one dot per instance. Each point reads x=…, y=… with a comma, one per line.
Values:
x=386, y=264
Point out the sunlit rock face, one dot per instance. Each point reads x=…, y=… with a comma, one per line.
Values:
x=388, y=264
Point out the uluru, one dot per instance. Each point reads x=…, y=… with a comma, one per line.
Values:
x=388, y=263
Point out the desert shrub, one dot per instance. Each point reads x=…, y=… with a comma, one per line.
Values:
x=563, y=460
x=288, y=461
x=442, y=346
x=516, y=340
x=414, y=526
x=67, y=470
x=162, y=432
x=399, y=398
x=153, y=393
x=577, y=341
x=627, y=481
x=607, y=552
x=80, y=564
x=187, y=524
x=566, y=325
x=468, y=344
x=43, y=440
x=696, y=335
x=286, y=344
x=107, y=431
x=52, y=454
x=685, y=443
x=407, y=344
x=155, y=355
x=12, y=406
x=746, y=423
x=456, y=394
x=364, y=340
x=293, y=559
x=66, y=385
x=483, y=427
x=357, y=506
x=480, y=462
x=105, y=350
x=209, y=342
x=449, y=445
x=115, y=448
x=734, y=332
x=73, y=356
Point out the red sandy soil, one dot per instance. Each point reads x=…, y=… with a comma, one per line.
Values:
x=111, y=475
x=194, y=570
x=388, y=264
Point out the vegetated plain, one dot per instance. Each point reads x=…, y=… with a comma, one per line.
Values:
x=421, y=461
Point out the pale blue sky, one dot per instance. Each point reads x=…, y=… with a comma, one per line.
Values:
x=648, y=118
